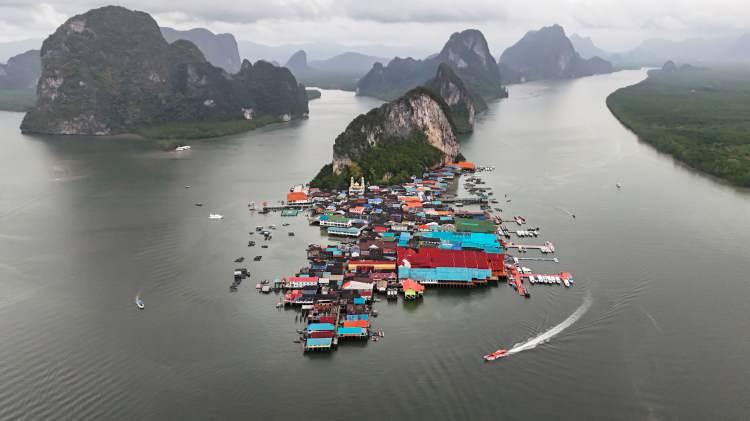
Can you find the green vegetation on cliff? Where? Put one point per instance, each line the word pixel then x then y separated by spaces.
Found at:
pixel 110 71
pixel 393 161
pixel 392 142
pixel 698 116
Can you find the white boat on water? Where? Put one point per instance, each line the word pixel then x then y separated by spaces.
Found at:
pixel 215 216
pixel 139 302
pixel 182 148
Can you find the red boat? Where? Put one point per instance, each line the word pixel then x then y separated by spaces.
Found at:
pixel 500 353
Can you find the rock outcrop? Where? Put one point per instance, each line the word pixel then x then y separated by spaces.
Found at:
pixel 219 49
pixel 463 104
pixel 465 52
pixel 669 66
pixel 586 48
pixel 21 72
pixel 547 54
pixel 110 71
pixel 297 63
pixel 394 141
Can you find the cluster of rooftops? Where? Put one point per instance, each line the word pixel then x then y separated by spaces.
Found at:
pixel 387 240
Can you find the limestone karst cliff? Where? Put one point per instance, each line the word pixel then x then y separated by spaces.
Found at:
pixel 110 71
pixel 394 141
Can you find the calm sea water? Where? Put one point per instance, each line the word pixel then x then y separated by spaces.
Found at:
pixel 86 224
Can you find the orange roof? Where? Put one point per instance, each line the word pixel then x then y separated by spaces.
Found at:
pixel 408 284
pixel 356 323
pixel 296 196
pixel 466 165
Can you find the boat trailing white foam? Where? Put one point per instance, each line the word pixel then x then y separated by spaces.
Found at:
pixel 555 330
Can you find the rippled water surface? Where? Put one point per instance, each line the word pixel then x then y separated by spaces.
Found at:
pixel 86 224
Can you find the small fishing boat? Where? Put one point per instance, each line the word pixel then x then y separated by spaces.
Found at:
pixel 139 302
pixel 500 353
pixel 182 148
pixel 215 216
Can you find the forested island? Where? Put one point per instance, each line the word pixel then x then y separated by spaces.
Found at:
pixel 110 71
pixel 699 116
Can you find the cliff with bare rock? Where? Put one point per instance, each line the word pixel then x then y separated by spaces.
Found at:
pixel 393 142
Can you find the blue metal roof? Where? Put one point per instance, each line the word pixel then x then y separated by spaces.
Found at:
pixel 443 274
pixel 361 331
pixel 320 326
pixel 318 342
pixel 467 240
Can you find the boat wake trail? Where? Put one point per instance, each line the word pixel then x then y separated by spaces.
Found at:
pixel 566 211
pixel 546 336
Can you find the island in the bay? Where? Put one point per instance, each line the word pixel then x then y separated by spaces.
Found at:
pixel 110 71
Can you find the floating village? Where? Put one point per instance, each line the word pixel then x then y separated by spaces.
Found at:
pixel 396 242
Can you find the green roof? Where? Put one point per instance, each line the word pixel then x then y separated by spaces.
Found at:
pixel 474 225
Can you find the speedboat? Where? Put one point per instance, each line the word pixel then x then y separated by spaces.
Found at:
pixel 139 302
pixel 215 216
pixel 182 148
pixel 500 353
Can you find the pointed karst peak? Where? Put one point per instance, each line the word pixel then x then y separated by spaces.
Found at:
pixel 298 61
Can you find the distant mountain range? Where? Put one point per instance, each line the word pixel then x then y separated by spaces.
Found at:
pixel 654 52
pixel 586 48
pixel 14 48
pixel 321 51
pixel 21 72
pixel 547 53
pixel 467 53
pixel 220 49
pixel 338 72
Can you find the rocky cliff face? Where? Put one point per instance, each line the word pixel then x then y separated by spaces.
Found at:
pixel 297 63
pixel 394 141
pixel 219 49
pixel 465 52
pixel 547 54
pixel 418 110
pixel 21 71
pixel 110 71
pixel 463 104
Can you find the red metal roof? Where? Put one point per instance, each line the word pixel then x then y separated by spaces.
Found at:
pixel 433 258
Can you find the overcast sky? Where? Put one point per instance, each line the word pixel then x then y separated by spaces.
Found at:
pixel 424 24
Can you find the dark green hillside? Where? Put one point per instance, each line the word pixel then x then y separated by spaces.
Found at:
pixel 701 117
